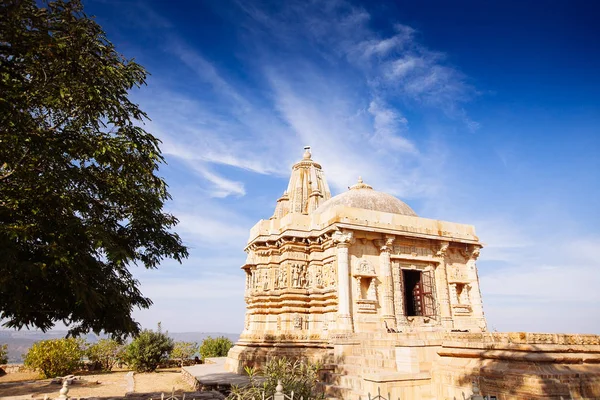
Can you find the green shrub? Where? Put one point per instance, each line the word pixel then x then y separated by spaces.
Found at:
pixel 56 357
pixel 148 350
pixel 183 351
pixel 301 377
pixel 4 354
pixel 105 353
pixel 217 347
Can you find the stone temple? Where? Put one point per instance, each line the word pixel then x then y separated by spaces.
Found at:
pixel 389 301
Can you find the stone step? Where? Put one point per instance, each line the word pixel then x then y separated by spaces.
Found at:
pixel 360 359
pixel 370 364
pixel 387 354
pixel 347 380
pixel 388 349
pixel 356 372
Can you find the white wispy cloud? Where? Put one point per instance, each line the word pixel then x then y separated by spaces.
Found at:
pixel 201 229
pixel 206 71
pixel 340 95
pixel 388 126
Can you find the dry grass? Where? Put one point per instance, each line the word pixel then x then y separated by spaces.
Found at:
pixel 112 384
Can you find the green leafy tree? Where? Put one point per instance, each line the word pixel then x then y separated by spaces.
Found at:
pixel 55 357
pixel 184 351
pixel 148 350
pixel 80 199
pixel 217 347
pixel 106 353
pixel 300 377
pixel 4 354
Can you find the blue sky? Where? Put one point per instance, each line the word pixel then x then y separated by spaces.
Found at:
pixel 485 113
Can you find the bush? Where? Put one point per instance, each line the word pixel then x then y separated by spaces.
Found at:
pixel 148 350
pixel 183 351
pixel 217 347
pixel 105 353
pixel 4 354
pixel 56 357
pixel 301 377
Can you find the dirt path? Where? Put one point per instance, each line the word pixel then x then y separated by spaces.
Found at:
pixel 106 385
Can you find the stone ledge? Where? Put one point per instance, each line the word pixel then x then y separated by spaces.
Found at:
pixel 540 356
pixel 385 377
pixel 529 338
pixel 549 348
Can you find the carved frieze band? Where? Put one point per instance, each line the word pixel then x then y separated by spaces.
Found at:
pixel 295 276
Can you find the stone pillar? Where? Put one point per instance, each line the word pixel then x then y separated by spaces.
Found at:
pixel 401 321
pixel 387 306
pixel 475 292
pixel 343 240
pixel 441 279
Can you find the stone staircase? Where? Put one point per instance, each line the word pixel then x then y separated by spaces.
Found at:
pixel 368 362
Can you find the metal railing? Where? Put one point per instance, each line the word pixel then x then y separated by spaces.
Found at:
pixel 278 395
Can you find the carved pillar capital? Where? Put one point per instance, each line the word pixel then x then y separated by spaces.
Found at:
pixel 343 238
pixel 475 253
pixel 443 249
pixel 471 253
pixel 386 244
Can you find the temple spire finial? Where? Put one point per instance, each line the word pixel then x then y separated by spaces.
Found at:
pixel 307 154
pixel 360 185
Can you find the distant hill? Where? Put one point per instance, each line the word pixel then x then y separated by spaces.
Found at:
pixel 20 341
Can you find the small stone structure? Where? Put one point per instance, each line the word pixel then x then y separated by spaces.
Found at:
pixel 390 301
pixel 12 368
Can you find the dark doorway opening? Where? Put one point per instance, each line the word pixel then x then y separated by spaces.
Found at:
pixel 412 293
pixel 419 298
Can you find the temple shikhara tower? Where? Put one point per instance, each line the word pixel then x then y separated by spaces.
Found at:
pixel 385 298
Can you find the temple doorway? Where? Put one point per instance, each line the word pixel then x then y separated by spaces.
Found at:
pixel 418 293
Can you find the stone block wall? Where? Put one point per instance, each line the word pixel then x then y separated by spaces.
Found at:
pixel 519 365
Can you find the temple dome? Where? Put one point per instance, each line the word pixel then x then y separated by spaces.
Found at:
pixel 363 196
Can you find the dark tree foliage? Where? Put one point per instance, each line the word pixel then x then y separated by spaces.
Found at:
pixel 148 350
pixel 80 200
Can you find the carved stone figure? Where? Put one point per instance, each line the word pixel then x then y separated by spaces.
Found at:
pixel 325 275
pixel 276 283
pixel 297 322
pixel 283 283
pixel 266 280
pixel 295 276
pixel 371 293
pixel 365 269
pixel 332 275
pixel 303 280
pixel 319 278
